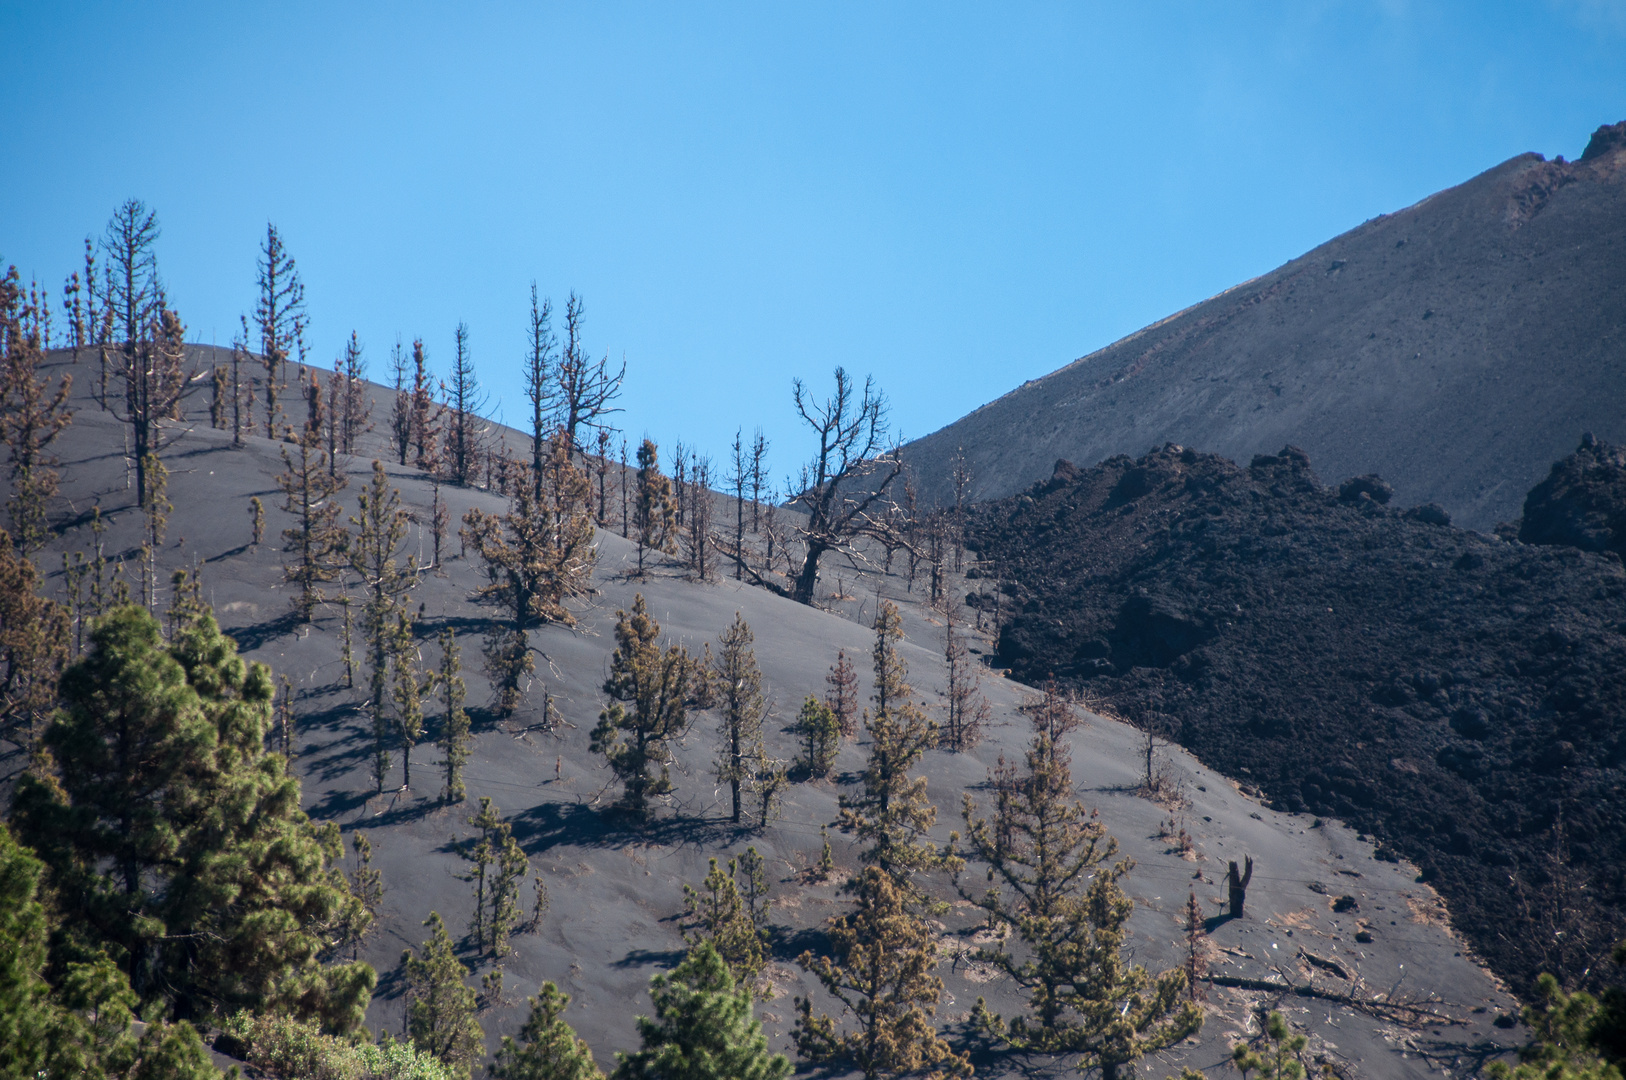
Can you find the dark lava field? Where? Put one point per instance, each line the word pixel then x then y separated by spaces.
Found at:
pixel 1456 696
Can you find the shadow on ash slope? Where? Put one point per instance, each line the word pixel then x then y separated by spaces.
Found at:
pixel 615 892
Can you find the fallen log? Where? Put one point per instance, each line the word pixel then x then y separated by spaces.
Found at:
pixel 1409 1013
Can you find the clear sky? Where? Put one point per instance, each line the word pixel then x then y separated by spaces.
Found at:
pixel 952 197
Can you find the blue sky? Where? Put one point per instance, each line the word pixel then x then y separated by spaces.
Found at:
pixel 951 197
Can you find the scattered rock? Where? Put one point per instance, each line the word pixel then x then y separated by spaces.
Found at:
pixel 1429 514
pixel 1371 487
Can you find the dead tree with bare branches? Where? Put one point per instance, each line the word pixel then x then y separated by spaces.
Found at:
pixel 843 489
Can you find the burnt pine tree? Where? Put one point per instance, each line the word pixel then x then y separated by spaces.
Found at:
pixel 375 557
pixel 601 468
pixel 315 540
pixel 440 1003
pixel 454 724
pixel 356 405
pixel 280 315
pixel 32 415
pixel 425 417
pixel 739 476
pixel 134 297
pixel 585 389
pixel 242 392
pixel 536 558
pixel 737 692
pixel 464 401
pixel 33 648
pixel 1055 888
pixel 651 693
pixel 893 815
pixel 841 694
pixel 654 518
pixel 880 972
pixel 540 392
pixel 546 1047
pixel 759 476
pixel 400 405
pixel 697 522
pixel 966 711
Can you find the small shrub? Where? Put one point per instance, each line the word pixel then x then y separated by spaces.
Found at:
pixel 299 1051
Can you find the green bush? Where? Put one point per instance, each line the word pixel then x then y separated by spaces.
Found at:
pixel 299 1051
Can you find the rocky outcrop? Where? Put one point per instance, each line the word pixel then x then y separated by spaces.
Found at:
pixel 1582 503
pixel 1461 697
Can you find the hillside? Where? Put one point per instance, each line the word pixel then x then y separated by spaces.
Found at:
pixel 1456 347
pixel 1458 697
pixel 616 890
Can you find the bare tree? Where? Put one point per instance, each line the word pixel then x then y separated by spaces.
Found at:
pixel 280 315
pixel 962 476
pixel 585 387
pixel 601 447
pixel 153 336
pixel 357 408
pixel 697 539
pixel 759 479
pixel 740 477
pixel 539 382
pixel 424 416
pixel 464 401
pixel 401 412
pixel 844 488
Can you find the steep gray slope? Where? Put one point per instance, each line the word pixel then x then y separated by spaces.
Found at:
pixel 1457 347
pixel 616 889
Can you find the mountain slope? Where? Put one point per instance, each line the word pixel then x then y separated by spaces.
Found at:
pixel 617 888
pixel 1456 347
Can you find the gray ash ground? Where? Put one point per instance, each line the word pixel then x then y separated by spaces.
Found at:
pixel 617 890
pixel 1457 696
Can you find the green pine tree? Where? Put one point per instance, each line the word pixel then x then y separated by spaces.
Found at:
pixel 651 693
pixel 497 867
pixel 440 1003
pixel 718 914
pixel 1564 1038
pixel 881 974
pixel 175 842
pixel 1057 889
pixel 1278 1060
pixel 410 684
pixel 29 1019
pixel 454 725
pixel 367 886
pixel 820 733
pixel 547 1048
pixel 703 1028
